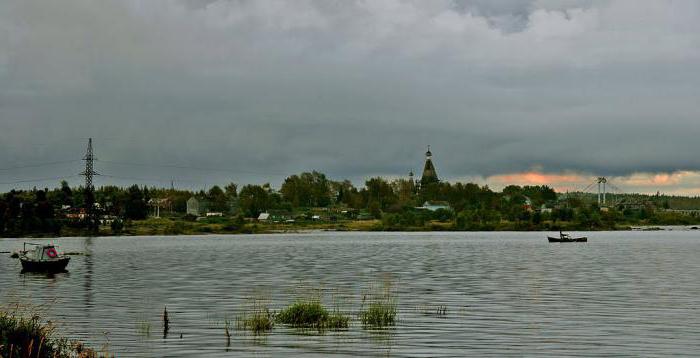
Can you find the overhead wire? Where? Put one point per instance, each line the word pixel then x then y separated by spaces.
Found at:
pixel 38 180
pixel 40 164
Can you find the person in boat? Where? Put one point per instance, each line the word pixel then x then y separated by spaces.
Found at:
pixel 563 235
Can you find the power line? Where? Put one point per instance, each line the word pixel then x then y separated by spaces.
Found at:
pixel 39 164
pixel 155 180
pixel 37 180
pixel 175 166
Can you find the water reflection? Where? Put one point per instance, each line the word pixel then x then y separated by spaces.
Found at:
pixel 88 259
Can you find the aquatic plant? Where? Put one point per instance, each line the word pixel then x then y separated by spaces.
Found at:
pixel 259 320
pixel 379 314
pixel 303 314
pixel 227 332
pixel 378 310
pixel 312 314
pixel 166 323
pixel 336 321
pixel 143 328
pixel 23 335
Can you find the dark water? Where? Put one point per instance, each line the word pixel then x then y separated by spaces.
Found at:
pixel 622 293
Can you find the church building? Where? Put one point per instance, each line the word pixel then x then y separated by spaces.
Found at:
pixel 429 172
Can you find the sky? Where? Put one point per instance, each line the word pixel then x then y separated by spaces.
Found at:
pixel 203 92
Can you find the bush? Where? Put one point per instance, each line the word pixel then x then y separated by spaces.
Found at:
pixel 117 226
pixel 176 228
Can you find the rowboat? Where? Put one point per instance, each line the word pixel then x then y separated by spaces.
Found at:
pixel 566 238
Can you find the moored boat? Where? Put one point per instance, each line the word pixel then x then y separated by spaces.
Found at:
pixel 43 258
pixel 566 238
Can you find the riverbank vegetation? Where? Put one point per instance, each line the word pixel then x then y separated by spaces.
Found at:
pixel 311 201
pixel 25 334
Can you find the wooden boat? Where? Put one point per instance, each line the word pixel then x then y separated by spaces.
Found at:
pixel 566 238
pixel 43 258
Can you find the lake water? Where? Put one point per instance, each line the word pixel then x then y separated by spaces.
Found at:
pixel 622 293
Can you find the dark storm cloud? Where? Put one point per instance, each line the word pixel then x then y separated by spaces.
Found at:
pixel 259 89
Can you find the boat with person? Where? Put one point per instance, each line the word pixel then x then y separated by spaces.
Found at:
pixel 43 258
pixel 566 238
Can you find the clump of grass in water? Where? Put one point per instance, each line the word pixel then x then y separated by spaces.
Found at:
pixel 259 321
pixel 143 328
pixel 303 314
pixel 337 321
pixel 312 314
pixel 378 310
pixel 379 314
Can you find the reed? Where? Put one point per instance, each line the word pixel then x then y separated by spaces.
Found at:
pixel 312 314
pixel 143 328
pixel 259 320
pixel 166 322
pixel 303 314
pixel 25 335
pixel 379 314
pixel 227 332
pixel 379 309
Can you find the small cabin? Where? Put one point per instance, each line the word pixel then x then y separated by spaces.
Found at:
pixel 193 206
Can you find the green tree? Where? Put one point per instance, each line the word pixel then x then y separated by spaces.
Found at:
pixel 231 191
pixel 253 200
pixel 307 190
pixel 381 192
pixel 218 201
pixel 135 206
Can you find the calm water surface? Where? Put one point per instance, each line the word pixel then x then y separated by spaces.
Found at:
pixel 622 293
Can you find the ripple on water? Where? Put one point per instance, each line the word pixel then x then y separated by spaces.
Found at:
pixel 631 293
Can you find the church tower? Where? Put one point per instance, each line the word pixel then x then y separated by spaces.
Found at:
pixel 429 172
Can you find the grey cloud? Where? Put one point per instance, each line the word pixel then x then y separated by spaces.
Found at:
pixel 354 88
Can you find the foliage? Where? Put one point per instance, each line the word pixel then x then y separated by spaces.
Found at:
pixel 135 204
pixel 379 314
pixel 117 226
pixel 254 199
pixel 48 212
pixel 259 321
pixel 26 336
pixel 303 314
pixel 307 190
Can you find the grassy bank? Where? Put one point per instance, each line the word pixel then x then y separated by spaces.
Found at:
pixel 221 225
pixel 25 334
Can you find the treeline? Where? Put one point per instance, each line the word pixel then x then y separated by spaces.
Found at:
pixel 463 206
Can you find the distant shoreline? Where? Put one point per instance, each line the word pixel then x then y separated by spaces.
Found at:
pixel 261 230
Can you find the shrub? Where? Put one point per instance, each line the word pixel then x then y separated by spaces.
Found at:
pixel 117 226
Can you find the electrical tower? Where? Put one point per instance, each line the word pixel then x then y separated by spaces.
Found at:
pixel 603 181
pixel 91 213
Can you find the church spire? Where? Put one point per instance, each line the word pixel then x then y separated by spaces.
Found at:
pixel 429 172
